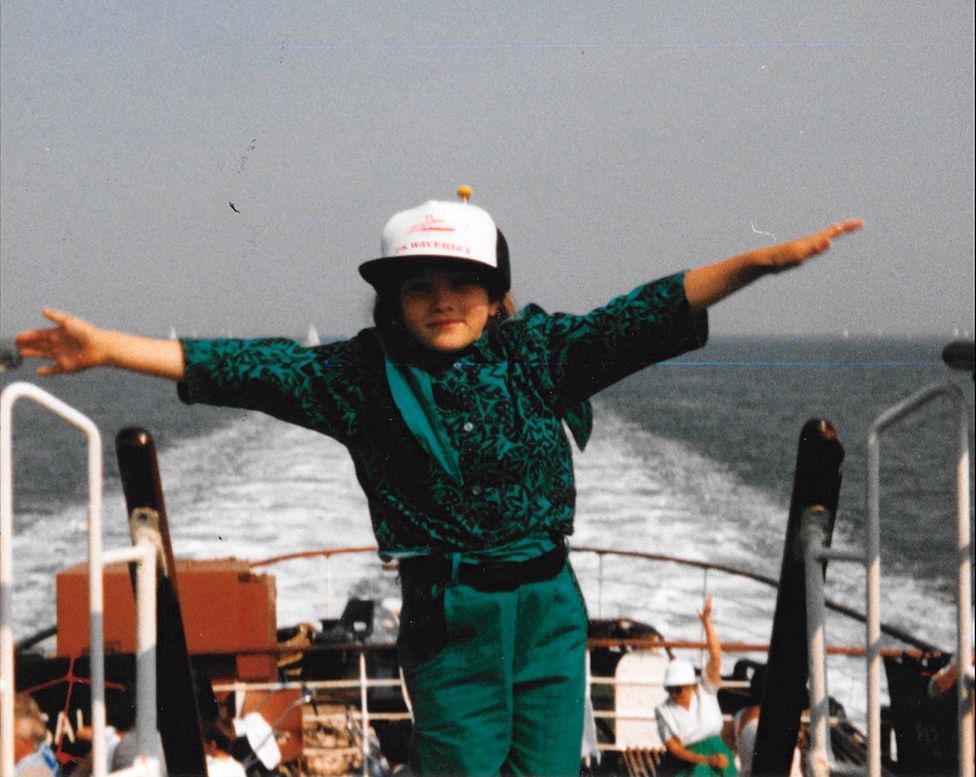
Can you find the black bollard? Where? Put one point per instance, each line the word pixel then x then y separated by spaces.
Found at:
pixel 817 479
pixel 178 713
pixel 961 355
pixel 10 358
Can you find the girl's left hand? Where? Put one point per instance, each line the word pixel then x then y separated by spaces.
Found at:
pixel 795 252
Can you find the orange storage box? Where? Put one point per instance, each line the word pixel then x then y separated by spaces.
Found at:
pixel 227 610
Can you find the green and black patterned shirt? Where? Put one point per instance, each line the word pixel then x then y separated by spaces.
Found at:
pixel 501 403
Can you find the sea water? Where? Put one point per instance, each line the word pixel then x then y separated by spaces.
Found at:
pixel 690 458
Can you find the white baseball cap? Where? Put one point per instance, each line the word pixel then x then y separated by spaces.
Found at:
pixel 679 673
pixel 444 235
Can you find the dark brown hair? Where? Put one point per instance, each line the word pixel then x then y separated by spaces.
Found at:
pixel 220 731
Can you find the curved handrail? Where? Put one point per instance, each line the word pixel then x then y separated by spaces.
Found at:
pixel 34 639
pixel 872 563
pixel 323 552
pixel 843 609
pixel 891 631
pixel 8 397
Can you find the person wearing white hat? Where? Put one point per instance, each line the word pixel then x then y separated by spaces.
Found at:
pixel 690 720
pixel 453 410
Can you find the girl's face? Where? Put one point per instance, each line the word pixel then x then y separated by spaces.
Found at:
pixel 445 311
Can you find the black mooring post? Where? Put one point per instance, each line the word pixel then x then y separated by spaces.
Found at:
pixel 819 461
pixel 961 355
pixel 178 714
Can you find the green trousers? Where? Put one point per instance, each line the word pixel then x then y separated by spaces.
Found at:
pixel 496 679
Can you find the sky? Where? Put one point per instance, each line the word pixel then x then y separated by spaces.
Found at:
pixel 613 143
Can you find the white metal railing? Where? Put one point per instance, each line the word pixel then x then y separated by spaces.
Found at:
pixel 815 551
pixel 814 544
pixel 308 689
pixel 7 399
pixel 963 550
pixel 361 715
pixel 144 553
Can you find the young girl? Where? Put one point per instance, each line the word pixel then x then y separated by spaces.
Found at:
pixel 452 409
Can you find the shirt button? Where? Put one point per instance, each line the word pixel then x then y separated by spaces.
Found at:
pixel 468 426
pixel 476 490
pixel 457 365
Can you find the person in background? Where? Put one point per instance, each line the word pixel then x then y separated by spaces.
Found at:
pixel 942 723
pixel 690 721
pixel 218 738
pixel 112 739
pixel 33 756
pixel 745 724
pixel 945 679
pixel 453 409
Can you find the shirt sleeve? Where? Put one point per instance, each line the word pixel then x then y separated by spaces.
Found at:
pixel 313 387
pixel 652 323
pixel 707 685
pixel 664 728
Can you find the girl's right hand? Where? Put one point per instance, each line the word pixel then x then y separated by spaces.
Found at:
pixel 73 344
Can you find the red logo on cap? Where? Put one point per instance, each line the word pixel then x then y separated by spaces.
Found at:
pixel 430 224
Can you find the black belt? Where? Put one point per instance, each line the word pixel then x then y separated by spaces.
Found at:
pixel 487 576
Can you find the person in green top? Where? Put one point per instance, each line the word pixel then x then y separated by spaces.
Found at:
pixel 453 408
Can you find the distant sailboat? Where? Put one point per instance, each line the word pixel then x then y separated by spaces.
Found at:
pixel 312 338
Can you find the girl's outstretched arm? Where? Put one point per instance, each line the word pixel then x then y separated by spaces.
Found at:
pixel 74 344
pixel 704 286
